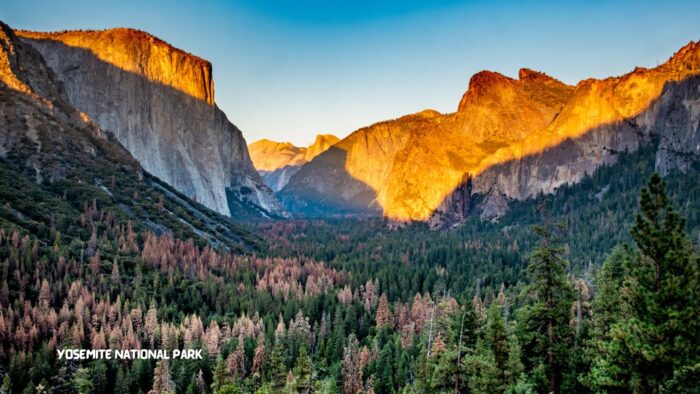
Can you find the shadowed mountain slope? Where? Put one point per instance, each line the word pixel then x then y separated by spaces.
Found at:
pixel 509 139
pixel 278 161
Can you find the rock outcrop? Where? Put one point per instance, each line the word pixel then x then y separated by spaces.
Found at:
pixel 511 139
pixel 55 162
pixel 158 101
pixel 278 161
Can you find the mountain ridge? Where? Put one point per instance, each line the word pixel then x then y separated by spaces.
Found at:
pixel 56 165
pixel 430 171
pixel 158 101
pixel 278 161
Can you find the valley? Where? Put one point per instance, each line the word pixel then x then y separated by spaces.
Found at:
pixel 541 238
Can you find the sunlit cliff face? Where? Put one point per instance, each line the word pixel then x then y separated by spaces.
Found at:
pixel 155 59
pixel 270 155
pixel 158 101
pixel 597 102
pixel 415 162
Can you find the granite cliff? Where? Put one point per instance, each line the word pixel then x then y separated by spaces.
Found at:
pixel 510 139
pixel 57 166
pixel 158 101
pixel 278 161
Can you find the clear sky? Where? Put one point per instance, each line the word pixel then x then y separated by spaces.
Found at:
pixel 287 70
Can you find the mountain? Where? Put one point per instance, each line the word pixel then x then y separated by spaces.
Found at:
pixel 278 161
pixel 510 139
pixel 158 101
pixel 58 168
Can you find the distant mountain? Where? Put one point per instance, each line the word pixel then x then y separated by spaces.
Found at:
pixel 510 139
pixel 57 166
pixel 158 101
pixel 278 161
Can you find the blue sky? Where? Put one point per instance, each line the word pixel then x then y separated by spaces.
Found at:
pixel 287 70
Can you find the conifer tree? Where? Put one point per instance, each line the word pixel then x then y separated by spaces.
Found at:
pixel 162 381
pixel 497 338
pixel 604 374
pixel 658 333
pixel 351 368
pixel 219 375
pixel 303 370
pixel 384 383
pixel 81 381
pixel 278 363
pixel 545 331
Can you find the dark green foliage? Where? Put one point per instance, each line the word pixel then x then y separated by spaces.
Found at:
pixel 497 338
pixel 657 333
pixel 503 350
pixel 545 331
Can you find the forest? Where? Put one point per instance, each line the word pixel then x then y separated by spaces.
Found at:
pixel 593 289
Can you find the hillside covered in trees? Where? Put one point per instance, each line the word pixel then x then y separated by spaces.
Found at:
pixel 578 292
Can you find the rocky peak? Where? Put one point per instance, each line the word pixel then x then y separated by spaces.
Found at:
pixel 529 75
pixel 277 162
pixel 687 58
pixel 8 60
pixel 143 54
pixel 485 84
pixel 270 155
pixel 516 137
pixel 158 101
pixel 320 145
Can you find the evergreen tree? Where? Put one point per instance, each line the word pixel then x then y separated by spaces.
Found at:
pixel 220 375
pixel 303 370
pixel 82 382
pixel 162 381
pixel 545 331
pixel 384 383
pixel 278 363
pixel 192 386
pixel 604 375
pixel 497 338
pixel 658 333
pixel 483 376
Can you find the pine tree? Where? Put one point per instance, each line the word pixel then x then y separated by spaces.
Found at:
pixel 545 331
pixel 497 338
pixel 658 333
pixel 303 370
pixel 604 375
pixel 220 375
pixel 464 327
pixel 481 372
pixel 383 314
pixel 351 368
pixel 278 363
pixel 384 383
pixel 192 386
pixel 162 381
pixel 81 381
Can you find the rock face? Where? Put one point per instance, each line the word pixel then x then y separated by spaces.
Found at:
pixel 54 160
pixel 509 139
pixel 278 161
pixel 158 102
pixel 602 118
